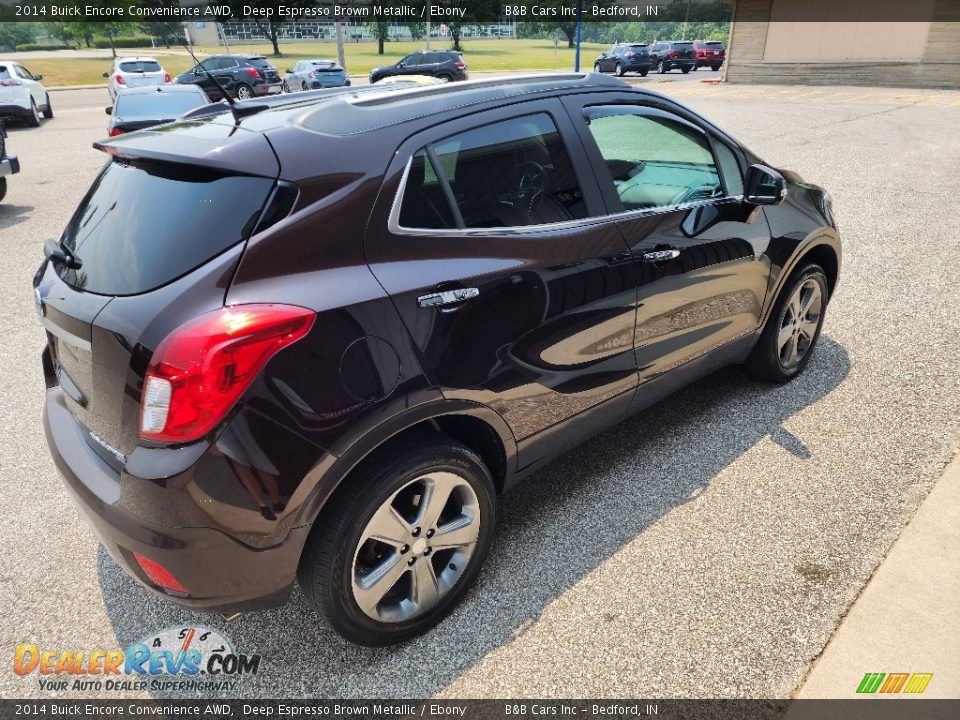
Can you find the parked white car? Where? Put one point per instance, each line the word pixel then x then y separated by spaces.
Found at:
pixel 21 95
pixel 131 72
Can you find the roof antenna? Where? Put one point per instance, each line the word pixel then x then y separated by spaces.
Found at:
pixel 230 101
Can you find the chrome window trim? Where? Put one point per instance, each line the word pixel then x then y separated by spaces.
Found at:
pixel 395 228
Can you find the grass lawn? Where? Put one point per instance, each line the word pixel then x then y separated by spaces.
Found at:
pixel 481 55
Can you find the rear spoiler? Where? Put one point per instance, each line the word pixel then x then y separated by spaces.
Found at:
pixel 206 144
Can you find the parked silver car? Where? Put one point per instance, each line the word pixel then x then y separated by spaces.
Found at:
pixel 130 72
pixel 315 74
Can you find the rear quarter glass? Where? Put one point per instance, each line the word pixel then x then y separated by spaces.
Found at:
pixel 144 224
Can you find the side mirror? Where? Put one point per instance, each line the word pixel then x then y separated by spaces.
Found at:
pixel 105 75
pixel 38 78
pixel 108 110
pixel 765 186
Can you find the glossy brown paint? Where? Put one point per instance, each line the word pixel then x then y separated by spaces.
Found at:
pixel 570 331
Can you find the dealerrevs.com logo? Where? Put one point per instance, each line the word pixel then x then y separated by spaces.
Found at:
pixel 190 659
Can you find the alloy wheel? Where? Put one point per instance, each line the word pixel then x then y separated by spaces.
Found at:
pixel 800 322
pixel 415 547
pixel 243 92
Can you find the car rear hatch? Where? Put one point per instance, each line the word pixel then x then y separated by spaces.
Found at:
pixel 9 84
pixel 682 51
pixel 268 71
pixel 329 75
pixel 156 240
pixel 637 52
pixel 141 73
pixel 713 50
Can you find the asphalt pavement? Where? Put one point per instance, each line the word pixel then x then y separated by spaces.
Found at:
pixel 708 547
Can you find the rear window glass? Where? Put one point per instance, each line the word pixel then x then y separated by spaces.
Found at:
pixel 140 66
pixel 158 104
pixel 683 46
pixel 145 224
pixel 259 63
pixel 714 44
pixel 638 47
pixel 4 73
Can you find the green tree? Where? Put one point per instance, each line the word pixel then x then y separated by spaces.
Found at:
pixel 14 33
pixel 110 30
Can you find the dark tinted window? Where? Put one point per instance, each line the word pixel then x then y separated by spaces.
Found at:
pixel 226 64
pixel 140 66
pixel 510 174
pixel 260 63
pixel 424 203
pixel 714 45
pixel 653 161
pixel 158 104
pixel 145 224
pixel 683 46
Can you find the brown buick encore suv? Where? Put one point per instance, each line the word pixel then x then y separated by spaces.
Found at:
pixel 315 336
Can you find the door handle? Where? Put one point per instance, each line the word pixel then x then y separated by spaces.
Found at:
pixel 447 297
pixel 660 255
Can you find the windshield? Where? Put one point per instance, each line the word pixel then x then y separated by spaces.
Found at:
pixel 144 66
pixel 158 104
pixel 144 224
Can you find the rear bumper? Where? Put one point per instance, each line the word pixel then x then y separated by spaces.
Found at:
pixel 220 573
pixel 268 88
pixel 709 62
pixel 9 166
pixel 14 109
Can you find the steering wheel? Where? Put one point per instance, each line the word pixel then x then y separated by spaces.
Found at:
pixel 530 186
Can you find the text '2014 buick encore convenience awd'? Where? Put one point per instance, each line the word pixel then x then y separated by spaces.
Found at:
pixel 317 336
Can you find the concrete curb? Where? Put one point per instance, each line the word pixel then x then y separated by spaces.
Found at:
pixel 906 619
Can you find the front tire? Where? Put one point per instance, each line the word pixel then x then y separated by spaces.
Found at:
pixel 48 110
pixel 790 335
pixel 619 69
pixel 3 188
pixel 661 68
pixel 596 68
pixel 396 550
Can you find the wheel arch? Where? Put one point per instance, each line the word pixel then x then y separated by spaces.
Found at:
pixel 821 247
pixel 476 426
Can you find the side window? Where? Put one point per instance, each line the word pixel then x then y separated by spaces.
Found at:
pixel 653 161
pixel 424 203
pixel 24 73
pixel 508 174
pixel 227 64
pixel 730 168
pixel 210 64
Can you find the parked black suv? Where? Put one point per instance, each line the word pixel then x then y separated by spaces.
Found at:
pixel 665 56
pixel 443 64
pixel 319 340
pixel 243 76
pixel 9 165
pixel 623 58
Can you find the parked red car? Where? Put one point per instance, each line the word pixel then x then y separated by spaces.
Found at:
pixel 709 52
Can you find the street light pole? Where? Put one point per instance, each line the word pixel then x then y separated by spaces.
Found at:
pixel 576 61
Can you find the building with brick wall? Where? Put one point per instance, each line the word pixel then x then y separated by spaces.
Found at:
pixel 833 42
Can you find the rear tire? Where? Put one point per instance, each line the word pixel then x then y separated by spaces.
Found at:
pixel 446 77
pixel 244 92
pixel 686 70
pixel 714 67
pixel 48 110
pixel 33 117
pixel 375 554
pixel 619 69
pixel 3 188
pixel 790 335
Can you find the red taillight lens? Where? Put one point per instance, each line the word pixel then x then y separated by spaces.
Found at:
pixel 203 367
pixel 166 77
pixel 252 72
pixel 115 131
pixel 160 576
pixel 459 65
pixel 672 54
pixel 119 79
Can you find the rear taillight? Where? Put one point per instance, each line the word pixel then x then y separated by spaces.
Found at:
pixel 115 131
pixel 459 65
pixel 629 53
pixel 203 367
pixel 166 77
pixel 252 72
pixel 10 82
pixel 160 576
pixel 119 79
pixel 673 54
